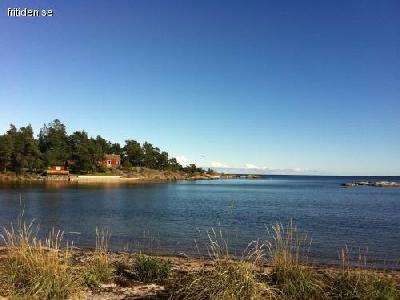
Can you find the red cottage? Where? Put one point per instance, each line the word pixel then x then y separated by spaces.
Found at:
pixel 112 161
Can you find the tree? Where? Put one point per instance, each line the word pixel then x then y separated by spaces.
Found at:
pixel 150 155
pixel 133 153
pixel 53 143
pixel 192 168
pixel 162 160
pixel 115 148
pixel 19 150
pixel 81 152
pixel 103 145
pixel 6 152
pixel 173 165
pixel 29 149
pixel 210 171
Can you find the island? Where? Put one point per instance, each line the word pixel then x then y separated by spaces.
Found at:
pixel 373 183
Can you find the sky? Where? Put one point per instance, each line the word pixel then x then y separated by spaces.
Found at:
pixel 275 87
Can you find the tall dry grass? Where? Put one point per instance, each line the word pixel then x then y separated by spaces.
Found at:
pixel 286 245
pixel 227 278
pixel 33 268
pixel 287 250
pixel 356 281
pixel 99 269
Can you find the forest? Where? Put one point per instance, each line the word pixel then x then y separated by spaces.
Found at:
pixel 21 152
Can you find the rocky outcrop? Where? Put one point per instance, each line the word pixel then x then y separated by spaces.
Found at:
pixel 372 183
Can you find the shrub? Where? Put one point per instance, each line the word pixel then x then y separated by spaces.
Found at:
pixel 36 269
pixel 150 269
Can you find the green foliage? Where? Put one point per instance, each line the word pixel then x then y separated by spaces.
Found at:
pixel 133 152
pixel 173 165
pixel 99 270
pixel 6 152
pixel 150 155
pixel 20 151
pixel 210 171
pixel 297 282
pixel 53 143
pixel 361 284
pixel 192 168
pixel 151 269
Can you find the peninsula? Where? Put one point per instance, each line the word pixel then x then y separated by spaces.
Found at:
pixel 56 155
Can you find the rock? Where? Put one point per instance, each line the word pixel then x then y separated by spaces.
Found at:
pixel 372 183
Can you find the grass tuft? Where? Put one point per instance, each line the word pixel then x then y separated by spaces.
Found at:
pixel 297 282
pixel 360 283
pixel 150 269
pixel 286 253
pixel 227 278
pixel 99 269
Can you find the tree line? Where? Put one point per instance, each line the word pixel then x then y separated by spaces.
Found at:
pixel 20 151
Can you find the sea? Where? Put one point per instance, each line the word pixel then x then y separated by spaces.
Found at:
pixel 179 218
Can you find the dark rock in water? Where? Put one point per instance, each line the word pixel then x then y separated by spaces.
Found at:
pixel 348 184
pixel 372 183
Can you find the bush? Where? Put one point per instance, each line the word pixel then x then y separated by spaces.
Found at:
pixel 150 269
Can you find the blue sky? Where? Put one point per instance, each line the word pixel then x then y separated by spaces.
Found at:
pixel 302 87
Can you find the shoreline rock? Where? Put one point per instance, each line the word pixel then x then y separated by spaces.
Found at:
pixel 372 183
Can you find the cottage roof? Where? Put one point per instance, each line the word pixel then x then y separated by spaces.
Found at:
pixel 113 156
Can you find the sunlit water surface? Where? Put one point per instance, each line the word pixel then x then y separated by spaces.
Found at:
pixel 173 218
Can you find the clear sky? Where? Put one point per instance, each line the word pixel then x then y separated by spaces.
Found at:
pixel 299 87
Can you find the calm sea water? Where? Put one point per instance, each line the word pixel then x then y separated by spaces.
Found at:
pixel 173 218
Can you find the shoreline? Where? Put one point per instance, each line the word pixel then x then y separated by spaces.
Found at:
pixel 125 285
pixel 157 177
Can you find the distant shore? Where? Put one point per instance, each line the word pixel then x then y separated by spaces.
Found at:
pixel 134 175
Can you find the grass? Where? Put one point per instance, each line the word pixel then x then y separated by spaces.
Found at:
pixel 33 268
pixel 274 269
pixel 150 269
pixel 99 269
pixel 360 283
pixel 286 252
pixel 227 278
